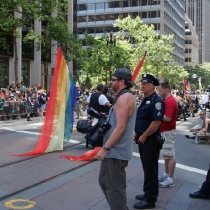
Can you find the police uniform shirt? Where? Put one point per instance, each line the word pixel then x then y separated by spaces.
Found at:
pixel 151 109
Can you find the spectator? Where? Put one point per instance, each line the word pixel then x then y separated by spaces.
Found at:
pixel 29 104
pixel 22 87
pixel 79 108
pixel 11 102
pixel 12 88
pixel 201 132
pixel 41 104
pixel 167 129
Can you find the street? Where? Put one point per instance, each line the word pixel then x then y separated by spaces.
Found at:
pixel 47 182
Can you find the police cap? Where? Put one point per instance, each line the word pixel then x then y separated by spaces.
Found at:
pixel 149 78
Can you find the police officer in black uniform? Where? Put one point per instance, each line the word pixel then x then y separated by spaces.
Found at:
pixel 149 117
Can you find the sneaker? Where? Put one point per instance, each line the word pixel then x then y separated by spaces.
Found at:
pixel 162 177
pixel 166 183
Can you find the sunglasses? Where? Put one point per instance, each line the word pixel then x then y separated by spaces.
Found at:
pixel 200 114
pixel 112 80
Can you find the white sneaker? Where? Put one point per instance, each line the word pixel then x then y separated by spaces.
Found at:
pixel 167 183
pixel 162 177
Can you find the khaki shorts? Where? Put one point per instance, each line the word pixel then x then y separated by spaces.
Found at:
pixel 168 151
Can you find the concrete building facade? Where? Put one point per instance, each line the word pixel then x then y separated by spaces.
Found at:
pixel 33 67
pixel 191 44
pixel 97 16
pixel 198 12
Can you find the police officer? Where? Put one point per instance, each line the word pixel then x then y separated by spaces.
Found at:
pixel 149 117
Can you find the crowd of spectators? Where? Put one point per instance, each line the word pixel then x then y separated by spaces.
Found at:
pixel 19 101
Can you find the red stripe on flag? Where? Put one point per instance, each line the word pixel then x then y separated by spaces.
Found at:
pixel 137 69
pixel 87 156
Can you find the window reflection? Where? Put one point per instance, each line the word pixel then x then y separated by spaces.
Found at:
pixel 100 6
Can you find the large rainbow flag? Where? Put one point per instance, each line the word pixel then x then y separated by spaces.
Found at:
pixel 58 121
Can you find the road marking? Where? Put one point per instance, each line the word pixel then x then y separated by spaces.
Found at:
pixel 187 168
pixel 9 204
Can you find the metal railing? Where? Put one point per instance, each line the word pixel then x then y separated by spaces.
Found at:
pixel 16 110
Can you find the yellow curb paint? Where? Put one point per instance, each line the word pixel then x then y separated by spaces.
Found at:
pixel 9 204
pixel 187 130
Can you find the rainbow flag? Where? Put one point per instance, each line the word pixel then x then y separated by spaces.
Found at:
pixel 58 121
pixel 138 68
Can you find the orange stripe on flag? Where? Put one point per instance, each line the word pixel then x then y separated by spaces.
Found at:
pixel 137 69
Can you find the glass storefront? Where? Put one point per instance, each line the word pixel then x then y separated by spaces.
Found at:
pixel 4 78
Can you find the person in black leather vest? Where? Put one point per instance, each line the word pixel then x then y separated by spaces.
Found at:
pixel 97 100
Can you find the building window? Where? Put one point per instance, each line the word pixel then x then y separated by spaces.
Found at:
pixel 109 5
pixel 100 6
pixel 155 14
pixel 117 4
pixel 188 59
pixel 99 17
pixel 188 41
pixel 188 50
pixel 82 7
pixel 90 30
pixel 143 14
pixel 188 33
pixel 91 6
pixel 127 3
pixel 82 30
pixel 81 19
pixel 134 3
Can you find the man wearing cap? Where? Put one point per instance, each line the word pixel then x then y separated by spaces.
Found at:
pixel 149 117
pixel 117 143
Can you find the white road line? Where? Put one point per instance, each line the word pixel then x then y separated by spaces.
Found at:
pixel 187 168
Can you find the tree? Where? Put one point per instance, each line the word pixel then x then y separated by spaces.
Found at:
pixel 201 70
pixel 22 13
pixel 132 40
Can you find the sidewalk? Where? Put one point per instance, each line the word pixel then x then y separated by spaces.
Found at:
pixel 79 190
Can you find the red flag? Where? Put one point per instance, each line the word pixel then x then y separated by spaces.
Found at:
pixel 138 67
pixel 187 85
pixel 87 156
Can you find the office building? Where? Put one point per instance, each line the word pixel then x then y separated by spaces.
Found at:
pixel 34 66
pixel 191 43
pixel 198 12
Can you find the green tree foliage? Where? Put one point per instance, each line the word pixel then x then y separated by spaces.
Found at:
pixel 57 30
pixel 203 71
pixel 132 40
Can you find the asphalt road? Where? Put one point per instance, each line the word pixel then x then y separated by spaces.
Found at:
pixel 19 175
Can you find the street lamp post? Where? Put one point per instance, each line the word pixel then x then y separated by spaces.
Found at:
pixel 110 40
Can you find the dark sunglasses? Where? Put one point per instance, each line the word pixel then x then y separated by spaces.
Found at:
pixel 112 80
